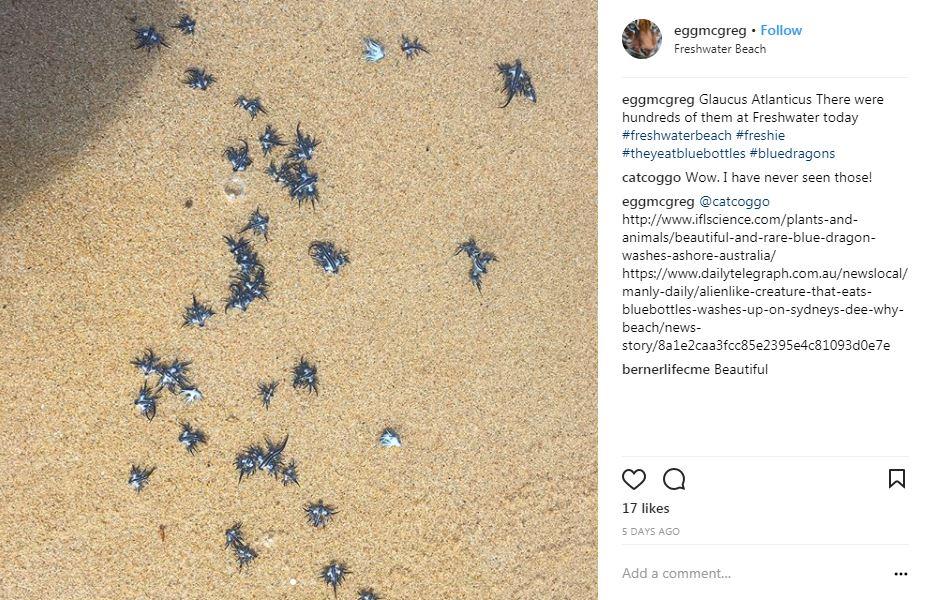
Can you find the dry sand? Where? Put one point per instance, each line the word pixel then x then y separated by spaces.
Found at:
pixel 112 215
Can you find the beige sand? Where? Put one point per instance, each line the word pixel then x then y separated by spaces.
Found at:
pixel 493 494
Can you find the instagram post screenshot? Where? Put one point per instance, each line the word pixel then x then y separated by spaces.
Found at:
pixel 416 299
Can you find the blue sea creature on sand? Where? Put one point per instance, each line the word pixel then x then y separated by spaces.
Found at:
pixel 185 24
pixel 191 438
pixel 148 38
pixel 174 376
pixel 248 262
pixel 267 392
pixel 389 438
pixel 247 287
pixel 302 184
pixel 516 82
pixel 234 535
pixel 146 401
pixel 197 313
pixel 470 247
pixel 258 224
pixel 319 514
pixel 253 106
pixel 148 363
pixel 245 554
pixel 368 594
pixel 305 376
pixel 249 283
pixel 412 48
pixel 247 461
pixel 480 261
pixel 270 459
pixel 269 139
pixel 238 157
pixel 277 173
pixel 289 474
pixel 139 477
pixel 334 574
pixel 304 146
pixel 242 251
pixel 198 79
pixel 328 257
pixel 480 267
pixel 373 51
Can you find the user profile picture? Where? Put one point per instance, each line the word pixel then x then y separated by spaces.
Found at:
pixel 642 38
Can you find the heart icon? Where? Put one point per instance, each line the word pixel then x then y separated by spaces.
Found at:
pixel 634 478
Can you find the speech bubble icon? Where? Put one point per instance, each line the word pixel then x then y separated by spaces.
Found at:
pixel 674 479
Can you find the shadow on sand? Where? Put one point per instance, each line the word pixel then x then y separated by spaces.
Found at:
pixel 64 67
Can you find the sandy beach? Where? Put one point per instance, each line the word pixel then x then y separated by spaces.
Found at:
pixel 112 213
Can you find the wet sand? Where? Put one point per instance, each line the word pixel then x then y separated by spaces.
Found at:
pixel 112 212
